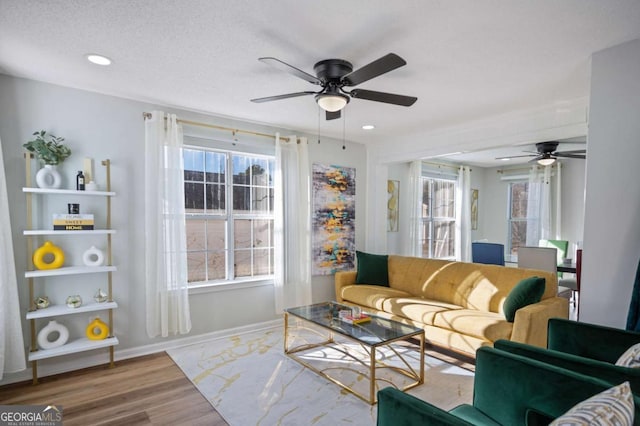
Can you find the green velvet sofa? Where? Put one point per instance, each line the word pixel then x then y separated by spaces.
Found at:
pixel 509 389
pixel 584 348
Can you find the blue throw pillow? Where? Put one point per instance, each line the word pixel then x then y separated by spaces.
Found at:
pixel 372 269
pixel 526 292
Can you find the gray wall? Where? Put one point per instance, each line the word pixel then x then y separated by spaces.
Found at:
pixel 612 228
pixel 102 127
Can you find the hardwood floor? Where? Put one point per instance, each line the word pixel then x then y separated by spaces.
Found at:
pixel 138 391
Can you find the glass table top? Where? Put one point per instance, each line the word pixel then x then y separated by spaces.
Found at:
pixel 378 331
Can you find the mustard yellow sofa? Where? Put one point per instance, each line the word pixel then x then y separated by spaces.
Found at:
pixel 459 305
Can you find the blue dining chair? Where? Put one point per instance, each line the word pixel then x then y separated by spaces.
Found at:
pixel 489 253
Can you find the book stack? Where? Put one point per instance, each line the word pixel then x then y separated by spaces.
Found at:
pixel 349 319
pixel 72 222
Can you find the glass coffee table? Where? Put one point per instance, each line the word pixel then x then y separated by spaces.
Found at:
pixel 347 354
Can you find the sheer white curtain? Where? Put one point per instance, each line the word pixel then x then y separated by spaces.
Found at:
pixel 539 205
pixel 165 235
pixel 463 215
pixel 11 340
pixel 413 244
pixel 292 228
pixel 557 222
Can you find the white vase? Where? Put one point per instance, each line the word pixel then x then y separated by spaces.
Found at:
pixel 53 326
pixel 48 177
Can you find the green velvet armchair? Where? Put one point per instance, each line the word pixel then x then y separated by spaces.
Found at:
pixel 509 389
pixel 583 348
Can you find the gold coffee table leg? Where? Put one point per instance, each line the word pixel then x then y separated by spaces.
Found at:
pixel 372 377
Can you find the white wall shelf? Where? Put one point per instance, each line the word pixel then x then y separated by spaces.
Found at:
pixel 69 270
pixel 81 232
pixel 67 192
pixel 79 345
pixel 59 310
pixel 37 317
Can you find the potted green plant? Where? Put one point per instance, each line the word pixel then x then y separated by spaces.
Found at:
pixel 48 148
pixel 50 151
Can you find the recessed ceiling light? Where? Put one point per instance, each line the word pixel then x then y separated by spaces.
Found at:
pixel 505 159
pixel 368 127
pixel 98 59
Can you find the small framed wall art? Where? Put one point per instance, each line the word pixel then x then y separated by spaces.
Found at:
pixel 474 209
pixel 393 194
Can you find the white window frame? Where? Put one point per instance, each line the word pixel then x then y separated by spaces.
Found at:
pixel 229 218
pixel 510 220
pixel 427 222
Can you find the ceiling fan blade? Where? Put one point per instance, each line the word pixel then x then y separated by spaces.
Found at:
pixel 388 98
pixel 283 66
pixel 287 96
pixel 378 67
pixel 333 115
pixel 577 151
pixel 516 156
pixel 567 155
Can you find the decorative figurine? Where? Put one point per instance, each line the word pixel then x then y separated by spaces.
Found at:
pixel 100 296
pixel 74 301
pixel 42 302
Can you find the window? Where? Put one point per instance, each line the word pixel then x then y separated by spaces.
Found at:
pixel 438 218
pixel 229 209
pixel 518 221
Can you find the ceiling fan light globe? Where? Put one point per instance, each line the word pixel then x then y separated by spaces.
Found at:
pixel 546 161
pixel 331 103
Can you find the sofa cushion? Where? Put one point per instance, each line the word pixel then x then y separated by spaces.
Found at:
pixel 372 269
pixel 484 325
pixel 370 295
pixel 615 406
pixel 526 292
pixel 416 308
pixel 630 358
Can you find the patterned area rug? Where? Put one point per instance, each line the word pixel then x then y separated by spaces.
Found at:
pixel 250 381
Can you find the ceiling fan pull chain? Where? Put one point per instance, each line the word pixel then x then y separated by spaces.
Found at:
pixel 319 110
pixel 344 120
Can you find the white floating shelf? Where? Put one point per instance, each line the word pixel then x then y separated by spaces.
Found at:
pixel 79 345
pixel 52 232
pixel 69 270
pixel 59 310
pixel 67 192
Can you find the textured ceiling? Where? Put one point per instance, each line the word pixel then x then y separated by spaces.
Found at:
pixel 467 59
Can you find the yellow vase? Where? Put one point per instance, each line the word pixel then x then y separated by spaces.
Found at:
pixel 48 248
pixel 97 330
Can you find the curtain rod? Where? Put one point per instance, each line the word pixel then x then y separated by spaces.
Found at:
pixel 451 166
pixel 517 169
pixel 146 115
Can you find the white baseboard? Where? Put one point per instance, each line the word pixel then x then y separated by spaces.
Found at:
pixel 99 358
